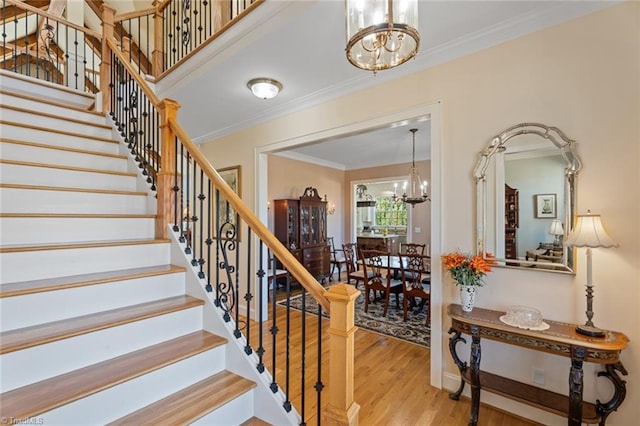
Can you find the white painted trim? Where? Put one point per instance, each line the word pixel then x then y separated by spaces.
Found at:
pixel 434 111
pixel 309 159
pixel 438 218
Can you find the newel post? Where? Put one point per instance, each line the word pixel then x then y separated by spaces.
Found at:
pixel 157 55
pixel 108 25
pixel 168 109
pixel 341 409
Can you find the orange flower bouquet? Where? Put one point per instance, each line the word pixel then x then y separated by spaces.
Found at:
pixel 467 270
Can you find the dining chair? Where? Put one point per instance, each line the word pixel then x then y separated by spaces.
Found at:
pixel 337 259
pixel 354 272
pixel 412 248
pixel 416 283
pixel 378 278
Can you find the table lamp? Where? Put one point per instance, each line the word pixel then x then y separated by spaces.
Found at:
pixel 589 233
pixel 556 230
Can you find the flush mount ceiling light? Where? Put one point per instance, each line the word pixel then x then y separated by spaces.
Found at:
pixel 264 88
pixel 381 34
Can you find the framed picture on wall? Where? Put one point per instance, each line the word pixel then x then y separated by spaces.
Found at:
pixel 545 206
pixel 228 227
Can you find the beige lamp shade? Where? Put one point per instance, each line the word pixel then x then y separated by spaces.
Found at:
pixel 589 232
pixel 556 228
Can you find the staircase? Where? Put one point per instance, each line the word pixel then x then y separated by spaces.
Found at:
pixel 99 322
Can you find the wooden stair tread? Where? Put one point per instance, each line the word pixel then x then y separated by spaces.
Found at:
pixel 58 117
pixel 76 245
pixel 80 215
pixel 65 167
pixel 191 403
pixel 40 334
pixel 58 131
pixel 59 283
pixel 48 101
pixel 43 396
pixel 43 83
pixel 62 148
pixel 70 189
pixel 254 421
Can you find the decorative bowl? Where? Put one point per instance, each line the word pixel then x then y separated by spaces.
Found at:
pixel 523 317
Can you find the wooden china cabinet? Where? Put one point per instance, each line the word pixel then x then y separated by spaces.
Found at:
pixel 301 225
pixel 511 208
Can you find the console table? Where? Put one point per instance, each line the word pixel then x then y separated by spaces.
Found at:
pixel 560 339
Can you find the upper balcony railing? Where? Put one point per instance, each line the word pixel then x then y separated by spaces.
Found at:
pixel 161 38
pixel 155 40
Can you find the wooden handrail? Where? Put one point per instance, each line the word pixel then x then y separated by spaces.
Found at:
pixel 134 73
pixel 58 19
pixel 163 4
pixel 280 251
pixel 136 14
pixel 289 261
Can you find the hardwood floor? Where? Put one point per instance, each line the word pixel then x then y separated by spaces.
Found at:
pixel 391 378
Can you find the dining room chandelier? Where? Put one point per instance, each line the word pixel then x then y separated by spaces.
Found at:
pixel 414 190
pixel 381 34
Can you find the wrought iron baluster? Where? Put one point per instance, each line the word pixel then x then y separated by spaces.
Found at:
pixel 248 296
pixel 177 200
pixel 194 217
pixel 303 356
pixel 202 198
pixel 287 363
pixel 26 44
pixel 319 386
pixel 209 239
pixel 274 344
pixel 261 282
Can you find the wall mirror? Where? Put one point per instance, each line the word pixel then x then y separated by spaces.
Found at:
pixel 526 198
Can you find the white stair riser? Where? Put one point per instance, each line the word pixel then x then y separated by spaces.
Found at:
pixel 14 200
pixel 57 139
pixel 45 230
pixel 234 412
pixel 37 363
pixel 35 265
pixel 57 305
pixel 120 400
pixel 54 123
pixel 29 104
pixel 29 175
pixel 14 83
pixel 18 152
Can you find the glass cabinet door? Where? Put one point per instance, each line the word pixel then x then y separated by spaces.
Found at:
pixel 292 226
pixel 305 225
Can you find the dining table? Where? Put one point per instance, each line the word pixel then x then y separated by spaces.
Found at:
pixel 395 264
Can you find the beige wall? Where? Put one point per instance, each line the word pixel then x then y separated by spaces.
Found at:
pixel 582 76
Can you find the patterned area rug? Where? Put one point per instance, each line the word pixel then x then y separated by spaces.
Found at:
pixel 414 330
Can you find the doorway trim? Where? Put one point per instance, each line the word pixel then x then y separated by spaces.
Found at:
pixel 434 112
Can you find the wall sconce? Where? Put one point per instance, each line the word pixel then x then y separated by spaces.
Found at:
pixel 331 208
pixel 268 205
